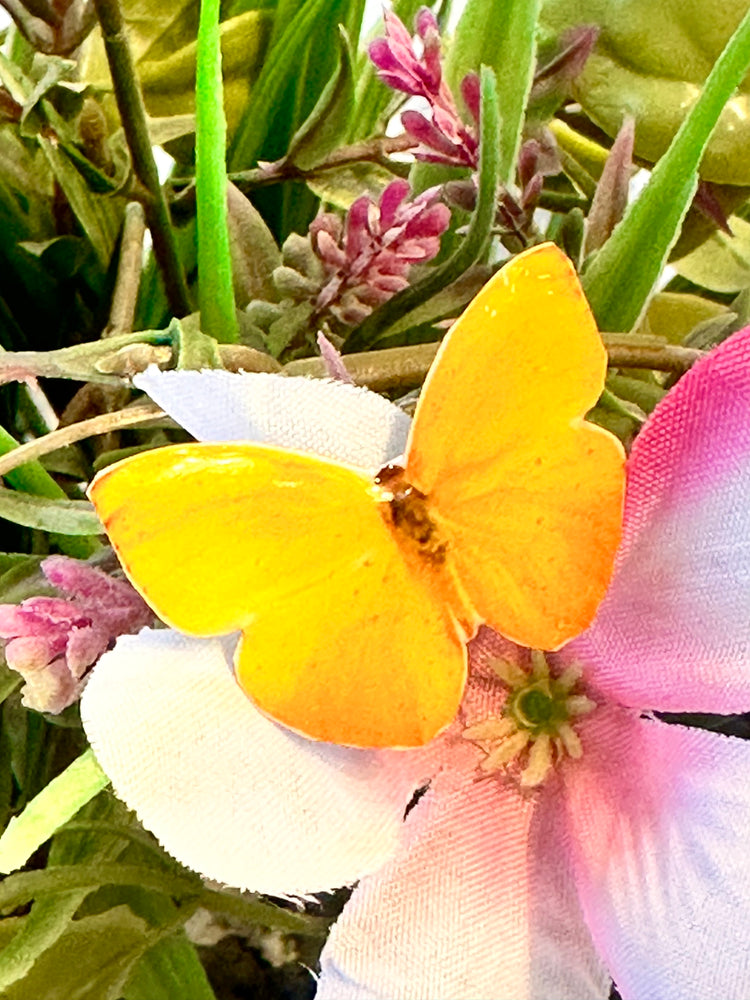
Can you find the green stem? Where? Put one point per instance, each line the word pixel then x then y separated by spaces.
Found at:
pixel 133 115
pixel 215 289
pixel 32 477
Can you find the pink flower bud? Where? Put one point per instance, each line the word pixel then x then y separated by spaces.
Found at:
pixel 53 642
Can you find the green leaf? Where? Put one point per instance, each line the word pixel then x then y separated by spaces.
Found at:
pixel 282 64
pixel 500 34
pixel 64 517
pixel 169 970
pixel 61 799
pixel 473 245
pixel 326 125
pixel 255 254
pixel 41 929
pixel 91 960
pixel 722 263
pixel 623 273
pixel 21 887
pixel 100 218
pixel 162 38
pixel 215 289
pixel 342 186
pixel 33 478
pixel 651 60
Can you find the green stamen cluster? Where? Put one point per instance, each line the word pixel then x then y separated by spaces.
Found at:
pixel 536 726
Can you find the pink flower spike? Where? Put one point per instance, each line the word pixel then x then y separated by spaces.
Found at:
pixel 379 241
pixel 52 642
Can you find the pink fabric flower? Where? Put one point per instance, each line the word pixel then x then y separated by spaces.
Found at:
pixel 53 642
pixel 445 138
pixel 368 260
pixel 632 860
pixel 628 859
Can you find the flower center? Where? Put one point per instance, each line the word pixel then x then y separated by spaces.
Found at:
pixel 536 727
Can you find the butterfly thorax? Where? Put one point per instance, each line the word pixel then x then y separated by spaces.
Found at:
pixel 406 508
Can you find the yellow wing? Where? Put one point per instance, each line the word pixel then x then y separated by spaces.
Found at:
pixel 528 495
pixel 347 637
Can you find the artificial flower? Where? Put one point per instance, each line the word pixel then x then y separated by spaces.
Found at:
pixel 629 857
pixel 619 850
pixel 444 138
pixel 368 259
pixel 54 641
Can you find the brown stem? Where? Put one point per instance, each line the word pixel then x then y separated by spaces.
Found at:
pixel 376 151
pixel 133 115
pixel 129 269
pixel 102 424
pixel 405 368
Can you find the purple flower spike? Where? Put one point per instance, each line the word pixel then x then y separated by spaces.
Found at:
pixel 53 642
pixel 368 259
pixel 445 139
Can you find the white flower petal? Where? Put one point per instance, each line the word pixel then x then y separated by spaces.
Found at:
pixel 660 816
pixel 343 422
pixel 478 904
pixel 228 792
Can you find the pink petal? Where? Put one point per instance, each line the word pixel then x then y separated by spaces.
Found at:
pixel 425 132
pixel 15 620
pixel 342 422
pixel 659 815
pixel 475 906
pixel 329 251
pixel 228 792
pixel 52 689
pixel 332 360
pixel 29 653
pixel 357 228
pixel 673 633
pixel 390 200
pixel 85 646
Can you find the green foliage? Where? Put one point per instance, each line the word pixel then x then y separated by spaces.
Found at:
pixel 623 274
pixel 100 911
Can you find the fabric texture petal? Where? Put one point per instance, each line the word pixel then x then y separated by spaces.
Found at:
pixel 475 904
pixel 659 816
pixel 681 589
pixel 343 422
pixel 225 790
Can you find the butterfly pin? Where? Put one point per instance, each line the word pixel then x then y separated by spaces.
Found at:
pixel 356 596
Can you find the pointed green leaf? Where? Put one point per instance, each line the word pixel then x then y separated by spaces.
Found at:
pixel 500 34
pixel 65 517
pixel 281 65
pixel 61 799
pixel 169 970
pixel 327 124
pixel 623 273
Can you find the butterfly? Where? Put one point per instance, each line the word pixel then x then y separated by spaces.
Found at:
pixel 356 597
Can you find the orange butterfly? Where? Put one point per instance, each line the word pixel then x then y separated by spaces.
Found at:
pixel 356 598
